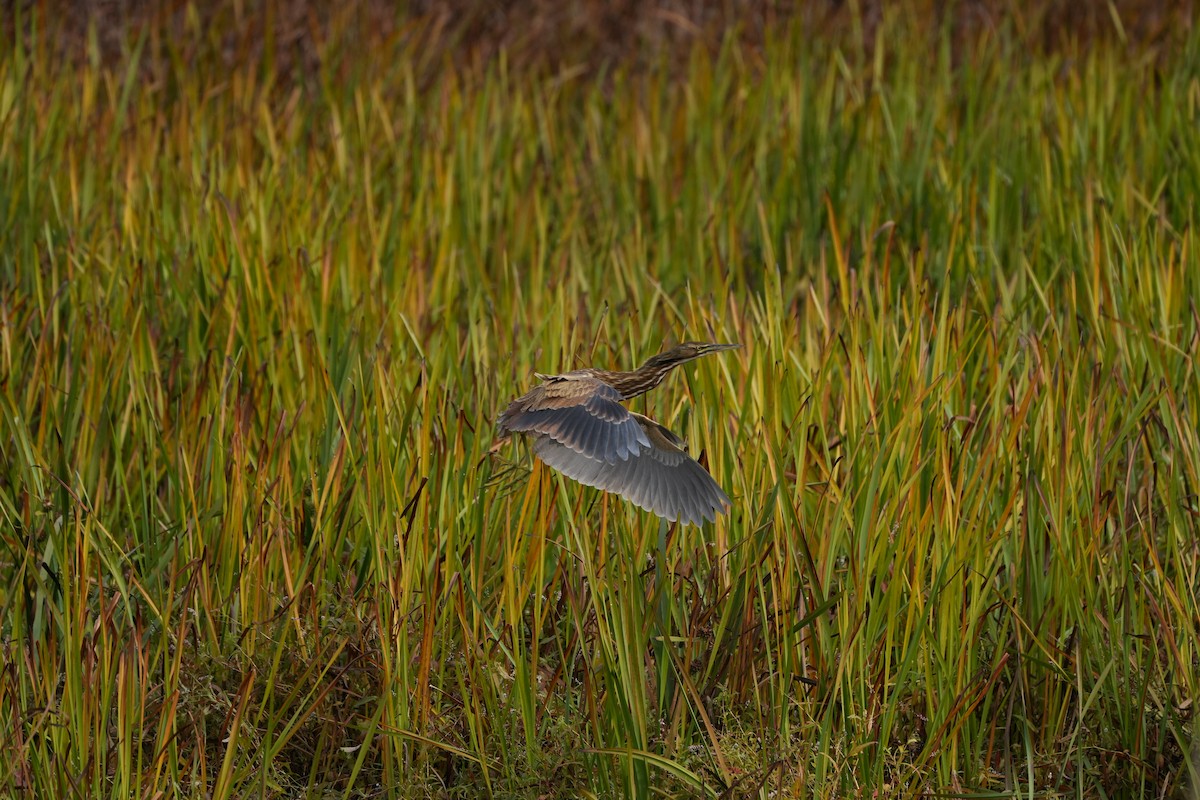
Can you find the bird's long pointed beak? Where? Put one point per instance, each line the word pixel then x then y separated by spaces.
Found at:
pixel 716 348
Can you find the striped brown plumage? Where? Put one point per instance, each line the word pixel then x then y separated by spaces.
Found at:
pixel 580 428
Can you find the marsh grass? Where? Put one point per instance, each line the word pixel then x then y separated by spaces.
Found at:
pixel 255 331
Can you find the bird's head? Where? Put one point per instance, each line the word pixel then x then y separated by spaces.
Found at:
pixel 687 351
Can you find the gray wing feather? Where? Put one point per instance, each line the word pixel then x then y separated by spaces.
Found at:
pixel 662 478
pixel 582 414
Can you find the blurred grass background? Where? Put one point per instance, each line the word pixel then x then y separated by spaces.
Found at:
pixel 268 272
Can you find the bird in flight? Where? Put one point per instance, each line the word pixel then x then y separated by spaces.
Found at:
pixel 580 428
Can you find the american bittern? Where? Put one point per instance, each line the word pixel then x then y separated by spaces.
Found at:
pixel 580 428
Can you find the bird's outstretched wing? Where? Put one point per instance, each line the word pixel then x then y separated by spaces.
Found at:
pixel 581 414
pixel 662 478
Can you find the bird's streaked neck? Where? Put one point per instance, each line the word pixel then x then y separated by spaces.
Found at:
pixel 640 380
